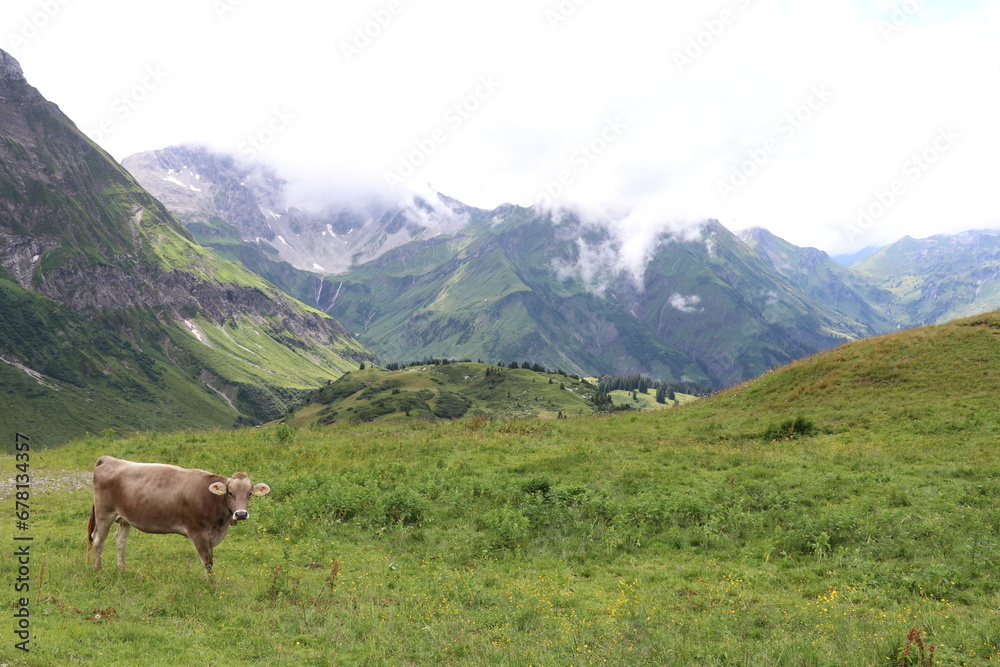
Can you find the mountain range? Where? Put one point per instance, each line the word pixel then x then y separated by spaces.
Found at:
pixel 433 277
pixel 187 288
pixel 113 317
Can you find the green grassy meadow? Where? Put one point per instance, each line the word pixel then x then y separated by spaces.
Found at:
pixel 818 515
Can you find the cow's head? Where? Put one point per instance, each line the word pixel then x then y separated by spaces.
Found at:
pixel 237 491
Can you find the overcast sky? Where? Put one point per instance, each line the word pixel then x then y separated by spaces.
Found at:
pixel 834 123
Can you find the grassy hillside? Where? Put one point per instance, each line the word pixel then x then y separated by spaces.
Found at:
pixel 819 515
pixel 911 384
pixel 73 377
pixel 63 375
pixel 445 391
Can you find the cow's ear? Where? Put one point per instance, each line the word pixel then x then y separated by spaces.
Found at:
pixel 261 489
pixel 218 488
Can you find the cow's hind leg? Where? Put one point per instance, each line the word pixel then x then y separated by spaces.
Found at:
pixel 102 524
pixel 122 538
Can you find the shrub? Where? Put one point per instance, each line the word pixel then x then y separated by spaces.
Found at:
pixel 539 484
pixel 451 406
pixel 790 429
pixel 403 506
pixel 284 433
pixel 505 527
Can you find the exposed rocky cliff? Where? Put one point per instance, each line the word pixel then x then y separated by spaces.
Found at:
pixel 9 67
pixel 198 185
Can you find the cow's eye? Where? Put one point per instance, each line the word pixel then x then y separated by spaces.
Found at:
pixel 230 494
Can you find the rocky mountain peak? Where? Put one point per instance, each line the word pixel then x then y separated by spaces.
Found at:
pixel 9 67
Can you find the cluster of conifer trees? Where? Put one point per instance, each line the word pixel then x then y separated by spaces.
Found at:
pixel 665 391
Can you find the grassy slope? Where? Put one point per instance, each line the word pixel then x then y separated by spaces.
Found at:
pixel 88 380
pixel 91 379
pixel 420 392
pixel 678 537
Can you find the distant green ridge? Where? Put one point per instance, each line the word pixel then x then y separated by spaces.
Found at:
pixel 445 391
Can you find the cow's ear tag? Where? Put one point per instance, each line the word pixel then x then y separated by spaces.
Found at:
pixel 218 488
pixel 261 489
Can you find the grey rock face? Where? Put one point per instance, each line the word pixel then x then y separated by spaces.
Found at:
pixel 9 67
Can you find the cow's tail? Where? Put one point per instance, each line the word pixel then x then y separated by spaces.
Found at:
pixel 90 532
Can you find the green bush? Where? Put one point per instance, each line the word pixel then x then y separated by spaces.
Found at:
pixel 402 506
pixel 505 527
pixel 790 429
pixel 451 405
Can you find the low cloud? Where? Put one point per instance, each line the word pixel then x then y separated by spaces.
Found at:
pixel 686 304
pixel 629 238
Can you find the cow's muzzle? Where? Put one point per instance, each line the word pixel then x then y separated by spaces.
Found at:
pixel 240 515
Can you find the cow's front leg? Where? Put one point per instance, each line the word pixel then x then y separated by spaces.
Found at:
pixel 204 547
pixel 121 537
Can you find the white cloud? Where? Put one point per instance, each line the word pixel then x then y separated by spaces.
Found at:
pixel 686 304
pixel 225 74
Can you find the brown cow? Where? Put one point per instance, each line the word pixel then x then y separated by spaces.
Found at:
pixel 161 498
